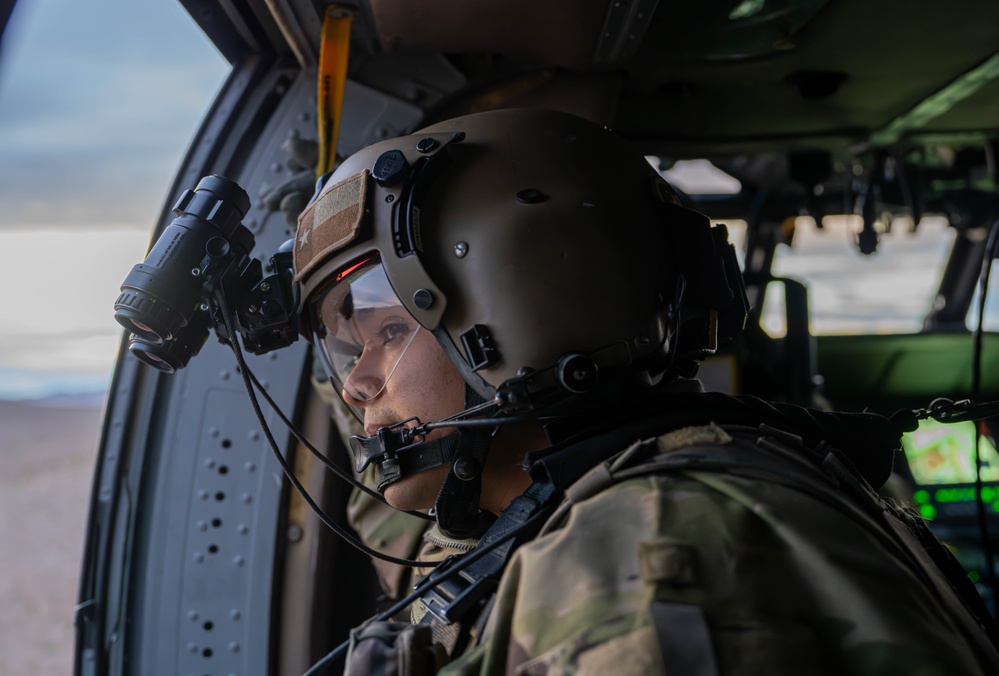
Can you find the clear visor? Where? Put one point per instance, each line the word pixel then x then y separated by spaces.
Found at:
pixel 362 331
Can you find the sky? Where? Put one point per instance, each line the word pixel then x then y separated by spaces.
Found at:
pixel 98 103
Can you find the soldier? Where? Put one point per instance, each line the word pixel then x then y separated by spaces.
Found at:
pixel 513 304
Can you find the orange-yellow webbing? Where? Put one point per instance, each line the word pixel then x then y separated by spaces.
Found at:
pixel 333 51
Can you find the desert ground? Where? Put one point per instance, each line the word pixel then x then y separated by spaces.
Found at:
pixel 47 452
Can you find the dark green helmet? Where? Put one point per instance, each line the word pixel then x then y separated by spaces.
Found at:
pixel 544 253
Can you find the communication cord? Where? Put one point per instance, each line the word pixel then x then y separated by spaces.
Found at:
pixel 244 372
pixel 336 469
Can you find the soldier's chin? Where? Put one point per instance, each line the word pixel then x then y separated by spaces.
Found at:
pixel 418 491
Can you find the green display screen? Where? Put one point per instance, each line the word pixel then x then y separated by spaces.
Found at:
pixel 941 453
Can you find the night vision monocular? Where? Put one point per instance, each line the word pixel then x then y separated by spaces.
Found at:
pixel 198 268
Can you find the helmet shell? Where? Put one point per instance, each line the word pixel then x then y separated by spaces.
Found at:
pixel 539 226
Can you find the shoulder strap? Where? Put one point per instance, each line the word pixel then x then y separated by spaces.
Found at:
pixel 454 604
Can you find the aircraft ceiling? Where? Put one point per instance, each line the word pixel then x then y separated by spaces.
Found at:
pixel 693 79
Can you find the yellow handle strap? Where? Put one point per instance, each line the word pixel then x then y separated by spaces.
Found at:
pixel 333 51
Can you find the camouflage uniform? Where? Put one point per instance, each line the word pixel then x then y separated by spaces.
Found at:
pixel 674 558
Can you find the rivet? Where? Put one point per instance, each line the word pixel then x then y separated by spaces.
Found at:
pixel 253 435
pixel 423 299
pixel 213 431
pixel 233 646
pixel 243 529
pixel 461 249
pixel 466 469
pixel 239 561
pixel 250 467
pixel 193 616
pixel 192 648
pixel 209 463
pixel 235 614
pixel 425 145
pixel 203 494
pixel 247 498
pixel 294 532
pixel 198 557
pixel 202 525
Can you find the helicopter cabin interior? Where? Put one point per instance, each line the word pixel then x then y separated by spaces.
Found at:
pixel 830 135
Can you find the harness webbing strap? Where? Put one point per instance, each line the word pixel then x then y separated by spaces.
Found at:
pixel 457 599
pixel 334 48
pixel 684 639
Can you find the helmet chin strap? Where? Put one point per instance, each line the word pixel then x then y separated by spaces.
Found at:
pixel 457 505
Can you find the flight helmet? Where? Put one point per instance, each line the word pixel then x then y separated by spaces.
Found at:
pixel 544 254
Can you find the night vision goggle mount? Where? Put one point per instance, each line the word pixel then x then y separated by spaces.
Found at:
pixel 200 264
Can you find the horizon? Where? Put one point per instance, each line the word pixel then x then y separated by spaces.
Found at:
pixel 94 121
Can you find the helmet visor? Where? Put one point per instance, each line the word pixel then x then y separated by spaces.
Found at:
pixel 362 330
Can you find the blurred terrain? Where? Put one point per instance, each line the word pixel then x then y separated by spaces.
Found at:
pixel 47 451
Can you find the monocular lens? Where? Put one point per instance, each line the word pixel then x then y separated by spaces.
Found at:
pixel 172 355
pixel 151 354
pixel 133 325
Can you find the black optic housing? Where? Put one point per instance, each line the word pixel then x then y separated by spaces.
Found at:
pixel 170 301
pixel 161 294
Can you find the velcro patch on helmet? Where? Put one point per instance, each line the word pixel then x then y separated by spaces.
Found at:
pixel 330 223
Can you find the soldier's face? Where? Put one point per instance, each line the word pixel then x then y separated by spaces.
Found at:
pixel 424 385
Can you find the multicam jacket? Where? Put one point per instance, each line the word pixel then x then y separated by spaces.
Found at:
pixel 727 550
